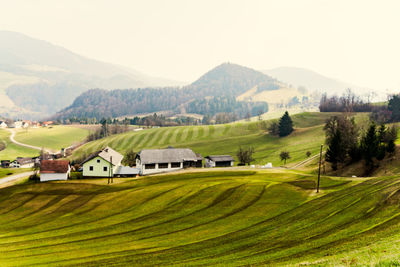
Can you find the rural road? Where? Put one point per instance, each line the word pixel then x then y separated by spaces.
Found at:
pixel 306 161
pixel 4 182
pixel 22 144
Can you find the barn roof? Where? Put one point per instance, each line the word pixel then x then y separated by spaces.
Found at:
pixel 166 155
pixel 54 166
pixel 217 158
pixel 23 161
pixel 125 170
pixel 107 153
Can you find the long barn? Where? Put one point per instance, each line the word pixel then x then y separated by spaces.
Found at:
pixel 163 160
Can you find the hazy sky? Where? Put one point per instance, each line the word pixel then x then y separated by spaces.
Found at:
pixel 355 41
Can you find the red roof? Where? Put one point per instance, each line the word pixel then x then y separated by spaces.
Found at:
pixel 54 166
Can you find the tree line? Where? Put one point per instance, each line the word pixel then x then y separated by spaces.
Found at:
pixel 349 102
pixel 347 143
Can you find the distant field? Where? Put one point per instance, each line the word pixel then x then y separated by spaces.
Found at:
pixel 53 138
pixel 210 218
pixel 225 139
pixel 12 151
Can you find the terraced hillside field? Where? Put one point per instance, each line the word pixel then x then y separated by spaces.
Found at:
pixel 12 150
pixel 53 138
pixel 202 218
pixel 224 139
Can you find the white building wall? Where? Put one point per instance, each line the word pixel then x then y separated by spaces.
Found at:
pixel 210 163
pixel 44 177
pixel 17 165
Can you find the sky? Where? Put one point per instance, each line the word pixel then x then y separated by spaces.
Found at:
pixel 356 41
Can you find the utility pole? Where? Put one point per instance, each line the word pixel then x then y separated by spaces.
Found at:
pixel 319 168
pixel 110 172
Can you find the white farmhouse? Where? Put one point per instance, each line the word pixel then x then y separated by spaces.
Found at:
pixel 53 170
pixel 150 161
pixel 18 124
pixel 103 163
pixel 3 124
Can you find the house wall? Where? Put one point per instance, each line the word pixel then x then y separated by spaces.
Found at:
pixel 44 177
pixel 144 171
pixel 17 165
pixel 98 168
pixel 209 163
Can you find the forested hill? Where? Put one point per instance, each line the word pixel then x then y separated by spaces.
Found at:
pixel 231 79
pixel 214 92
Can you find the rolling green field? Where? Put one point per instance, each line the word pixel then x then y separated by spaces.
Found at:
pixel 12 150
pixel 53 138
pixel 224 139
pixel 202 218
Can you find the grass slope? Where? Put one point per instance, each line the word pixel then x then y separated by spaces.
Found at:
pixel 202 218
pixel 12 151
pixel 224 139
pixel 53 138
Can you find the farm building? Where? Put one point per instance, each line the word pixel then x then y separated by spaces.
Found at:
pixel 103 163
pixel 23 163
pixel 18 124
pixel 5 164
pixel 53 170
pixel 125 171
pixel 3 124
pixel 219 161
pixel 162 160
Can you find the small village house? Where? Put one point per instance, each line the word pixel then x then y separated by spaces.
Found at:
pixel 22 163
pixel 5 164
pixel 47 123
pixel 26 124
pixel 219 161
pixel 54 170
pixel 18 124
pixel 3 124
pixel 103 163
pixel 163 160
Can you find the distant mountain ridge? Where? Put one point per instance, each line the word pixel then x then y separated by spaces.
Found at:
pixel 223 84
pixel 301 77
pixel 39 77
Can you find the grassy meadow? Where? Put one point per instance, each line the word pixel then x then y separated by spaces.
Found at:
pixel 202 218
pixel 12 150
pixel 224 139
pixel 53 138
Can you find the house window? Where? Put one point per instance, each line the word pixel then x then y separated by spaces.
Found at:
pixel 163 165
pixel 150 166
pixel 105 169
pixel 90 168
pixel 175 165
pixel 98 160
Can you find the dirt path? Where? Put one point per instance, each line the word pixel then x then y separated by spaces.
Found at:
pixel 12 139
pixel 302 163
pixel 12 179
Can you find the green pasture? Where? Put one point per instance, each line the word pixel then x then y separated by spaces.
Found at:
pixel 53 138
pixel 209 218
pixel 13 151
pixel 224 139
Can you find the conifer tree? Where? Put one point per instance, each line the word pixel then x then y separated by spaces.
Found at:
pixel 370 146
pixel 285 125
pixel 334 151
